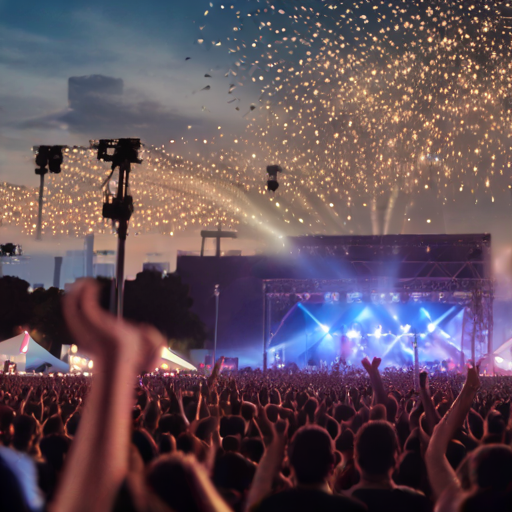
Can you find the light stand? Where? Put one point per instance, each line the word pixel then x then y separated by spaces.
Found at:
pixel 50 156
pixel 217 295
pixel 122 153
pixel 416 362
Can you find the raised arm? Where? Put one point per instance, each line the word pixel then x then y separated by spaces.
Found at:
pixel 430 411
pixel 98 461
pixel 441 475
pixel 269 466
pixel 379 393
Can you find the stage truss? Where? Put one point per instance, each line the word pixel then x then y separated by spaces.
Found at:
pixel 451 269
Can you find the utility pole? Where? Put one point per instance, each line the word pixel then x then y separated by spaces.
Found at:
pixel 119 208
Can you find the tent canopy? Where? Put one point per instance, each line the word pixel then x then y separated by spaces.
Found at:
pixel 29 355
pixel 174 361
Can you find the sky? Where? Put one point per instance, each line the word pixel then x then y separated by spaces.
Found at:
pixel 170 59
pixel 146 45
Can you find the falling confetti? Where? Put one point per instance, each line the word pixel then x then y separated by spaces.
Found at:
pixel 354 98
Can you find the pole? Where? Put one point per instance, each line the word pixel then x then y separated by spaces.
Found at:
pixel 464 322
pixel 57 271
pixel 306 352
pixel 89 255
pixel 217 246
pixel 473 335
pixel 416 363
pixel 121 244
pixel 40 212
pixel 217 295
pixel 122 230
pixel 264 327
pixel 490 329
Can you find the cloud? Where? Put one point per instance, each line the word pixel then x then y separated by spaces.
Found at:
pixel 99 107
pixel 39 52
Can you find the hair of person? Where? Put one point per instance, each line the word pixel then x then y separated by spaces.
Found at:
pixel 272 411
pixel 167 443
pixel 173 424
pixel 231 444
pixel 231 426
pixel 253 449
pixel 345 441
pixel 234 472
pixel 311 454
pixel 145 445
pixel 248 411
pixel 376 448
pixel 378 413
pixel 491 467
pixel 25 428
pixel 170 478
pixel 54 448
pixel 343 412
pixel 53 425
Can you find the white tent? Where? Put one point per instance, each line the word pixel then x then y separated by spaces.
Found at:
pixel 29 355
pixel 503 356
pixel 172 361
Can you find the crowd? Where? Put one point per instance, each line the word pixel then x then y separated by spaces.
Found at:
pixel 361 439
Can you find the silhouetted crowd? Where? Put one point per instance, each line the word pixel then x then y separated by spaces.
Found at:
pixel 362 439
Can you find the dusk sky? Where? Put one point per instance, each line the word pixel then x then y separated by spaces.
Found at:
pixel 146 45
pixel 174 65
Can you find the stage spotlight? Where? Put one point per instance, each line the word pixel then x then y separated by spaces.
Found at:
pixel 406 328
pixel 354 297
pixel 395 317
pixel 352 334
pixel 431 327
pixel 324 328
pixel 498 359
pixel 378 332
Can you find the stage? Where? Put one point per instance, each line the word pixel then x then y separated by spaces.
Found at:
pixel 393 292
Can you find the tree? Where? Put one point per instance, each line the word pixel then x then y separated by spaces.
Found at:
pixel 164 302
pixel 47 323
pixel 15 306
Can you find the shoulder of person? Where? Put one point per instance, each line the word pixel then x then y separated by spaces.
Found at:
pixel 410 491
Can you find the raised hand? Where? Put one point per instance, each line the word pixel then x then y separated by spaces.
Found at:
pixel 105 337
pixel 373 366
pixel 424 380
pixel 473 379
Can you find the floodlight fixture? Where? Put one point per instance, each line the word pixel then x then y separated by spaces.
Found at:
pixel 272 171
pixel 48 157
pixel 10 249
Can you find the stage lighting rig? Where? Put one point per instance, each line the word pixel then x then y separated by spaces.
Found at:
pixel 119 207
pixel 272 171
